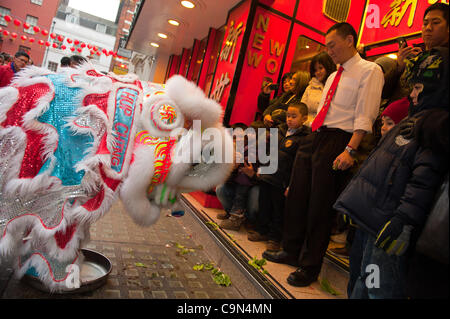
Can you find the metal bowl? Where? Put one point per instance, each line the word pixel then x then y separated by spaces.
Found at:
pixel 93 274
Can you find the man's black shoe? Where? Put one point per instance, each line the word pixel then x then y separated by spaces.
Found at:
pixel 301 278
pixel 280 257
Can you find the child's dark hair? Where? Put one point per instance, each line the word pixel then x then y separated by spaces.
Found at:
pixel 239 125
pixel 302 108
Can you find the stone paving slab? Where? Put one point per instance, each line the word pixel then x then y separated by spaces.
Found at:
pixel 148 263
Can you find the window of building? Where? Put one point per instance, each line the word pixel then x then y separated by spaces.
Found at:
pixel 52 66
pixel 39 2
pixel 70 18
pixel 305 50
pixel 3 12
pixel 32 21
pixel 100 28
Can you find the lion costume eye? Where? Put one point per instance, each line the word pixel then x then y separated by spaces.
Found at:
pixel 165 116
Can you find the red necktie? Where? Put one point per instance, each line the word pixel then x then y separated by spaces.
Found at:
pixel 318 121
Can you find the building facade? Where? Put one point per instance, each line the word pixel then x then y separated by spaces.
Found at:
pixel 81 32
pixel 38 13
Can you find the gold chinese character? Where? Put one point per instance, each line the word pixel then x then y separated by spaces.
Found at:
pixel 398 10
pixel 230 42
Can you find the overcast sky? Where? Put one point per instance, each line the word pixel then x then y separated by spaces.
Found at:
pixel 106 9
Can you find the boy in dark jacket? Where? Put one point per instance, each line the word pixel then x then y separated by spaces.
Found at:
pixel 391 195
pixel 269 220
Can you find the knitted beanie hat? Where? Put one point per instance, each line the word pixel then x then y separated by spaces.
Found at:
pixel 397 110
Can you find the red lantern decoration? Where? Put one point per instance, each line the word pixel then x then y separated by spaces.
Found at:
pixel 44 32
pixel 104 50
pixel 63 47
pixel 26 26
pixel 111 52
pixel 41 42
pixel 7 18
pixel 13 35
pixel 69 40
pixel 72 49
pixel 115 54
pixel 95 48
pixel 98 53
pixel 36 29
pixel 92 52
pixel 5 33
pixel 17 22
pixel 79 50
pixel 60 38
pixel 52 35
pixel 89 46
pixel 76 42
pixel 55 45
pixel 24 37
pixel 83 45
pixel 47 44
pixel 31 40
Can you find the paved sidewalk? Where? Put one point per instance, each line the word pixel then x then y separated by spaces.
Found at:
pixel 147 263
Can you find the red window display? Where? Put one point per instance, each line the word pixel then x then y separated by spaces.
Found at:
pixel 215 39
pixel 263 58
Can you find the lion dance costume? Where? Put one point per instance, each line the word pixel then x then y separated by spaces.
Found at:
pixel 72 142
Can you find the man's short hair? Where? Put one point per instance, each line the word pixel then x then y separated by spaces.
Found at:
pixel 65 61
pixel 344 29
pixel 443 7
pixel 21 53
pixel 301 107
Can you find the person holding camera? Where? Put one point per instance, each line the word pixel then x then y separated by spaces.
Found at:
pixel 275 113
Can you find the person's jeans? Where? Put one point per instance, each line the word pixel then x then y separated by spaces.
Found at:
pixel 226 194
pixel 356 254
pixel 381 276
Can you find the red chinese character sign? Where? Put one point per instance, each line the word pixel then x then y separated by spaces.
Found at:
pixel 229 54
pixel 389 19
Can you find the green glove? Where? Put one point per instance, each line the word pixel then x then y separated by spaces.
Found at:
pixel 394 237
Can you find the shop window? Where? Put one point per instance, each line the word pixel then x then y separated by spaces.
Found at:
pixel 305 50
pixel 214 55
pixel 3 12
pixel 39 2
pixel 32 21
pixel 100 28
pixel 52 66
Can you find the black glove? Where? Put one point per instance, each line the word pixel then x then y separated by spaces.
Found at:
pixel 394 237
pixel 407 128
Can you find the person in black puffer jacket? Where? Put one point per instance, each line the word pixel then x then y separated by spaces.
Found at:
pixel 392 193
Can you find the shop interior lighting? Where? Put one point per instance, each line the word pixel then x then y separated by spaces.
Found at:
pixel 187 4
pixel 153 44
pixel 162 35
pixel 174 22
pixel 392 56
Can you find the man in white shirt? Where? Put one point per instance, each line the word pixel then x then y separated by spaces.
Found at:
pixel 350 105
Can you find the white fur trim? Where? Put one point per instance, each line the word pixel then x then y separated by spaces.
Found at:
pixel 192 101
pixel 133 191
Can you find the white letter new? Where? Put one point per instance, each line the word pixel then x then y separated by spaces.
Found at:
pixel 73 278
pixel 373 279
pixel 373 16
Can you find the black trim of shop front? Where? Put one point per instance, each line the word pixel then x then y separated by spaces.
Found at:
pixel 204 54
